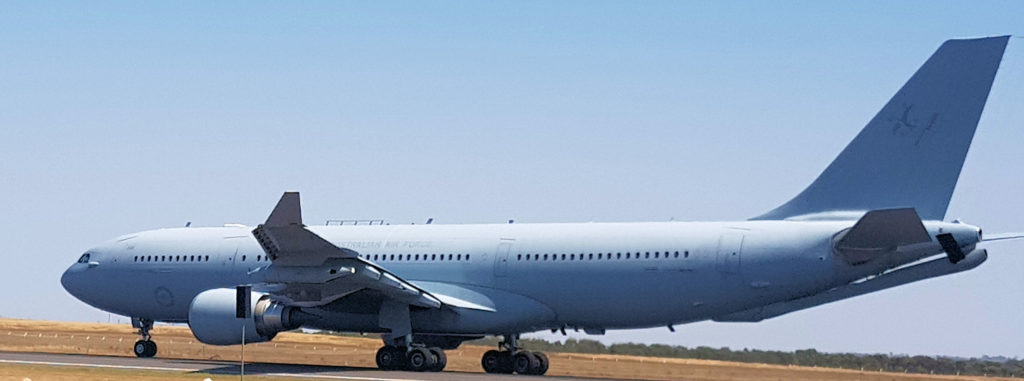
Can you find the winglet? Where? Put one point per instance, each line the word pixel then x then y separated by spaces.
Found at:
pixel 287 212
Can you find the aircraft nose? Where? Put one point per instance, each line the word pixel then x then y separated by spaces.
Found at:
pixel 71 280
pixel 65 280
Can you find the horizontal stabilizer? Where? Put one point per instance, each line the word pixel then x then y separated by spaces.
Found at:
pixel 880 232
pixel 885 229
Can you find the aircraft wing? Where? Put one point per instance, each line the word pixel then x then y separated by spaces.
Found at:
pixel 310 271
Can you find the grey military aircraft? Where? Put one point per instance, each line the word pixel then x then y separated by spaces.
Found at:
pixel 874 219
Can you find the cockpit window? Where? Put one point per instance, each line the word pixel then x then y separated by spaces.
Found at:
pixel 84 258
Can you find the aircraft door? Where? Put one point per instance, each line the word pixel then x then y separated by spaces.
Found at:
pixel 730 246
pixel 501 257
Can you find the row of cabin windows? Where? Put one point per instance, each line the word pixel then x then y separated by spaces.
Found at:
pixel 185 258
pixel 437 257
pixel 600 256
pixel 417 257
pixel 172 258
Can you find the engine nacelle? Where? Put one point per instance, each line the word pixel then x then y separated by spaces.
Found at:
pixel 211 316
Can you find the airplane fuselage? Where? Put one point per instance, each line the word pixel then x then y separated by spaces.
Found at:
pixel 636 275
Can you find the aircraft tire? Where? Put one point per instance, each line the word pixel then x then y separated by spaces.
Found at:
pixel 440 359
pixel 491 361
pixel 144 348
pixel 525 363
pixel 140 348
pixel 390 357
pixel 507 362
pixel 420 360
pixel 543 359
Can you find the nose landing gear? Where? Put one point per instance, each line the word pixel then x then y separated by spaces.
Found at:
pixel 510 359
pixel 144 348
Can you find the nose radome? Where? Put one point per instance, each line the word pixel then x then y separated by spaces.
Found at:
pixel 66 281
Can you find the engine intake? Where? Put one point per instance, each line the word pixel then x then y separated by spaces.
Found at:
pixel 211 316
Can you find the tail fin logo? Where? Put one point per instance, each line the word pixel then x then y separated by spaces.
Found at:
pixel 905 125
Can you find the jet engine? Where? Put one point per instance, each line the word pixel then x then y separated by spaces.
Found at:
pixel 211 316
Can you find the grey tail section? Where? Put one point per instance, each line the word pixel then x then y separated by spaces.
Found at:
pixel 910 154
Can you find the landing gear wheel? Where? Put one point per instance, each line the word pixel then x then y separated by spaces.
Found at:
pixel 491 361
pixel 543 368
pixel 420 360
pixel 390 358
pixel 144 348
pixel 525 363
pixel 507 362
pixel 440 359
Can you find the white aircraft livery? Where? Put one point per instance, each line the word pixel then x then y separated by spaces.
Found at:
pixel 874 219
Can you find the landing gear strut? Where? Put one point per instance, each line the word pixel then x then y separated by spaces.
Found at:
pixel 510 359
pixel 417 358
pixel 144 348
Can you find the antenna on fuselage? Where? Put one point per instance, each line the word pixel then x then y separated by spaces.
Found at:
pixel 188 223
pixel 430 220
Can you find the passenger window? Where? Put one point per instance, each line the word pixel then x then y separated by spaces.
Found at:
pixel 686 254
pixel 647 254
pixel 467 257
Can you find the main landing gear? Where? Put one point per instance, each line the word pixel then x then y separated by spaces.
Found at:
pixel 144 348
pixel 417 359
pixel 509 359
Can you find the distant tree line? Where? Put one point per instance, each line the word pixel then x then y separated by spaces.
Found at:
pixel 805 357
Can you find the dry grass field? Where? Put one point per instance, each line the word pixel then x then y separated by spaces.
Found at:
pixel 297 348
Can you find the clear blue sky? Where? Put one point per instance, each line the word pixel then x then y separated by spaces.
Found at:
pixel 120 117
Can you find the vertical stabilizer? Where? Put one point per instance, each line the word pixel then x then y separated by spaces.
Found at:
pixel 910 154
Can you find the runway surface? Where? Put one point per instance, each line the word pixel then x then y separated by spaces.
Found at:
pixel 274 370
